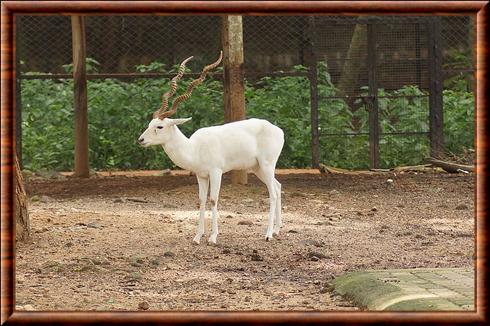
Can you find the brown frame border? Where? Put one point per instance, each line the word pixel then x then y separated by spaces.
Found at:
pixel 10 8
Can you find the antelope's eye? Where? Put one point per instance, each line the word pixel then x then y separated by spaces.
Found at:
pixel 160 127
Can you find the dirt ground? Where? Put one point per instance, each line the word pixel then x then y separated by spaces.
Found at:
pixel 125 243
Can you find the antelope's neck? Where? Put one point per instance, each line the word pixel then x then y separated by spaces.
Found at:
pixel 179 149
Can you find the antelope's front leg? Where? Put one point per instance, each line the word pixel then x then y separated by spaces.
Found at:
pixel 203 194
pixel 215 180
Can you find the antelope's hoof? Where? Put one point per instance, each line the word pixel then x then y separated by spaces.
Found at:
pixel 212 238
pixel 197 239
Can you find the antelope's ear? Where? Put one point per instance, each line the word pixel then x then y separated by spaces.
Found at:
pixel 175 122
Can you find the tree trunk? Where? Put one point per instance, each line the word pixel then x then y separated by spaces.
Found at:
pixel 22 225
pixel 354 61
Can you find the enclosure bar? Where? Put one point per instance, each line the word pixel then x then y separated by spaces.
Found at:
pixel 313 77
pixel 435 87
pixel 418 70
pixel 159 75
pixel 234 88
pixel 373 98
pixel 401 133
pixel 80 97
pixel 366 97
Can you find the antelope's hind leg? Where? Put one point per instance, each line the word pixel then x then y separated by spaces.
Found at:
pixel 203 194
pixel 215 180
pixel 265 172
pixel 278 221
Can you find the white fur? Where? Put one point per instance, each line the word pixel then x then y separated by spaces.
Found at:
pixel 253 145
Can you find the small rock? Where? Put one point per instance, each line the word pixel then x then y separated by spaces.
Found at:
pixel 256 257
pixel 249 223
pixel 143 305
pixel 169 254
pixel 135 276
pixel 317 254
pixel 312 242
pixel 324 290
pixel 28 307
pixel 94 225
pixel 137 200
pixel 461 207
pixel 226 251
pixel 136 261
pixel 374 209
pixel 155 262
pixel 314 258
pixel 229 216
pixel 292 231
pixel 389 180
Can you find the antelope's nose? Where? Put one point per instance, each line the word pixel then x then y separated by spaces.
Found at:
pixel 141 140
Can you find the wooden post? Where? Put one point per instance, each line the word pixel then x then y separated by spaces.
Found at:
pixel 234 94
pixel 313 77
pixel 436 120
pixel 80 97
pixel 373 98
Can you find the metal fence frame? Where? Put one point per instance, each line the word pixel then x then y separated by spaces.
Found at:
pixel 435 71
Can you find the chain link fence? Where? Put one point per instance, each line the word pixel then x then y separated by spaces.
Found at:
pixel 365 81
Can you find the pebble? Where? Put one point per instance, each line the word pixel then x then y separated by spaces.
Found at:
pixel 226 251
pixel 256 257
pixel 245 223
pixel 317 254
pixel 312 242
pixel 374 209
pixel 389 180
pixel 292 231
pixel 229 216
pixel 143 305
pixel 169 254
pixel 461 207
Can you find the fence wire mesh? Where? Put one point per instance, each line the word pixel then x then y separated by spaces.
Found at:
pixel 283 47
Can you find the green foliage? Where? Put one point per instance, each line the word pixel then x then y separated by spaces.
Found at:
pixel 120 111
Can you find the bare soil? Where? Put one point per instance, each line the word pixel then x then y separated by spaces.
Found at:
pixel 125 243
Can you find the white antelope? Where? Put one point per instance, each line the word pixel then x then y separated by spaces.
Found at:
pixel 253 145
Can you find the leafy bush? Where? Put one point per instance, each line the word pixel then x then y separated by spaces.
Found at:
pixel 120 111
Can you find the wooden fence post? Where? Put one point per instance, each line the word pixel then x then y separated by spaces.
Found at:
pixel 234 94
pixel 436 120
pixel 313 77
pixel 373 97
pixel 80 97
